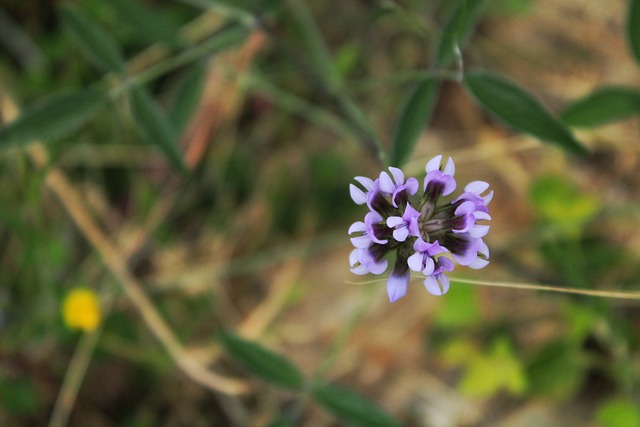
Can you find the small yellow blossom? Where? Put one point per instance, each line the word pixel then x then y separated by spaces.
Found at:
pixel 81 309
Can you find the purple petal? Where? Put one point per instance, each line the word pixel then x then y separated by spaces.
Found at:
pixel 445 264
pixel 412 185
pixel 465 209
pixel 447 182
pixel 378 267
pixel 467 257
pixel 435 248
pixel 397 286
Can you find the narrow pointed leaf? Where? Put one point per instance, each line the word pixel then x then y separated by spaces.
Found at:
pixel 157 127
pixel 603 106
pixel 413 118
pixel 457 30
pixel 94 42
pixel 53 117
pixel 149 24
pixel 186 98
pixel 262 362
pixel 633 28
pixel 352 408
pixel 514 106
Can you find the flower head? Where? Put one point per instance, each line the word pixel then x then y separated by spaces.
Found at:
pixel 81 309
pixel 426 231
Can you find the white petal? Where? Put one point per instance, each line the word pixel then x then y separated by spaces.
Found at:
pixel 479 263
pixel 357 195
pixel 398 176
pixel 478 215
pixel 394 221
pixel 360 270
pixel 488 198
pixel 367 183
pixel 353 257
pixel 437 287
pixel 434 164
pixel 386 184
pixel 357 226
pixel 361 242
pixel 401 234
pixel 450 168
pixel 415 262
pixel 476 187
pixel 479 231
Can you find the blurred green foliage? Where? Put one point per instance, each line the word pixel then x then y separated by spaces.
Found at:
pixel 95 109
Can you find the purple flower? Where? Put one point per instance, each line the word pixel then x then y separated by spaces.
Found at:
pixel 363 261
pixel 357 195
pixel 398 280
pixel 437 283
pixel 422 260
pixel 405 225
pixel 399 187
pixel 439 181
pixel 424 230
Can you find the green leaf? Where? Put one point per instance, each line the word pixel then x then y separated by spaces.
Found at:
pixel 457 30
pixel 157 127
pixel 633 28
pixel 412 119
pixel 52 117
pixel 186 98
pixel 603 106
pixel 262 362
pixel 618 412
pixel 94 42
pixel 518 109
pixel 148 23
pixel 352 408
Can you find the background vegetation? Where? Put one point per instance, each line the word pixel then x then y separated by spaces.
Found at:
pixel 187 163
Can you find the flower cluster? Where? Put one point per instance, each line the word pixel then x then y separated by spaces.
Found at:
pixel 420 225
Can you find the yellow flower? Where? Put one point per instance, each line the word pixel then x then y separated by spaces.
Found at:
pixel 81 309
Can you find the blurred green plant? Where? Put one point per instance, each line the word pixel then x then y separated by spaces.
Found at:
pixel 313 81
pixel 346 405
